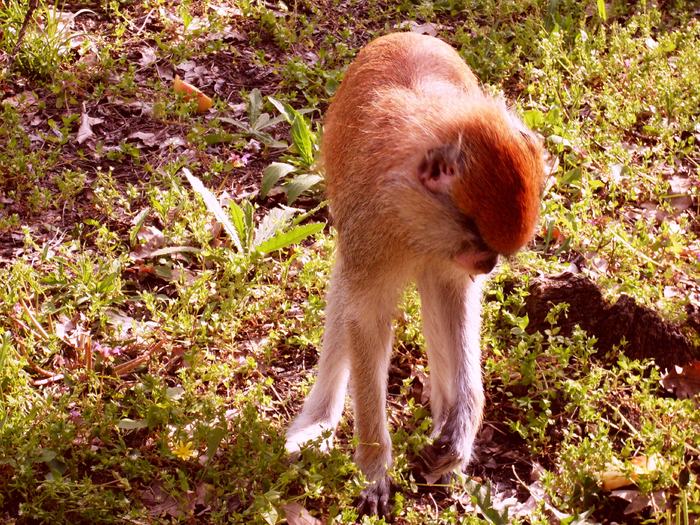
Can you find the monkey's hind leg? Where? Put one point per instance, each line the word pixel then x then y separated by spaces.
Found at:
pixel 324 405
pixel 371 348
pixel 451 306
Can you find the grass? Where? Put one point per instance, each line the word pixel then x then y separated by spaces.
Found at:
pixel 149 367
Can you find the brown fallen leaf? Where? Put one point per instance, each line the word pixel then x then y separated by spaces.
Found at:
pixel 423 29
pixel 150 239
pixel 148 56
pixel 147 138
pixel 22 101
pixel 160 503
pixel 296 514
pixel 204 493
pixel 683 381
pixel 86 122
pixel 192 93
pixel 638 501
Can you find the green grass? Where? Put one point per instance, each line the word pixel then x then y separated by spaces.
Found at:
pixel 149 367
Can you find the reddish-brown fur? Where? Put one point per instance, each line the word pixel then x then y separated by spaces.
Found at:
pixel 406 93
pixel 506 172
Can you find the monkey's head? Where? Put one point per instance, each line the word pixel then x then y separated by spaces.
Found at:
pixel 489 167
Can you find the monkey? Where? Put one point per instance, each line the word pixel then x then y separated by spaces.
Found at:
pixel 429 180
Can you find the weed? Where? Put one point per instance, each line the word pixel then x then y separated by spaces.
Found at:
pixel 45 45
pixel 303 158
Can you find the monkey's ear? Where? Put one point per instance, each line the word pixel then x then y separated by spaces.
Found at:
pixel 440 167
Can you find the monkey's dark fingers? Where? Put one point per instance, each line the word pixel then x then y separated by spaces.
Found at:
pixel 438 487
pixel 374 500
pixel 439 458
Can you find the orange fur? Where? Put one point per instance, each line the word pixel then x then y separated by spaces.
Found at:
pixel 406 93
pixel 507 173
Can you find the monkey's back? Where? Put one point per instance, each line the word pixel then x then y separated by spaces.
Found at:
pixel 403 96
pixel 367 123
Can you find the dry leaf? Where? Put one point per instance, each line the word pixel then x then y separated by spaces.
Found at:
pixel 298 515
pixel 421 385
pixel 671 291
pixel 126 326
pixel 137 107
pixel 148 139
pixel 618 173
pixel 64 327
pixel 225 11
pixel 204 493
pixel 160 503
pixel 422 29
pixel 639 501
pixel 21 101
pixel 151 239
pixel 538 497
pixel 148 57
pixel 683 381
pixel 680 198
pixel 165 71
pixel 680 185
pixel 86 123
pixel 551 163
pixel 173 142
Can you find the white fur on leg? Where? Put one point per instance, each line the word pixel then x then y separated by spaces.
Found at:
pixel 451 305
pixel 324 405
pixel 306 434
pixel 321 412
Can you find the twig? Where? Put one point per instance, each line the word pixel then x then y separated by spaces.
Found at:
pixel 279 398
pixel 52 379
pixel 128 367
pixel 145 21
pixel 20 36
pixel 432 498
pixel 85 347
pixel 43 333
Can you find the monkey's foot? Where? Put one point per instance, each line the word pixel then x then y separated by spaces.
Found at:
pixel 436 484
pixel 440 458
pixel 374 500
pixel 298 437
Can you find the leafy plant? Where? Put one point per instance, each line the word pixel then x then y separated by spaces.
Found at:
pixel 278 229
pixel 305 144
pixel 258 121
pixel 46 41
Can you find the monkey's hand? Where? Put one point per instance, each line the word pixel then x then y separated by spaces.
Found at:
pixel 374 500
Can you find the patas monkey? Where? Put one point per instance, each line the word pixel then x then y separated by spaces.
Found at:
pixel 429 179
